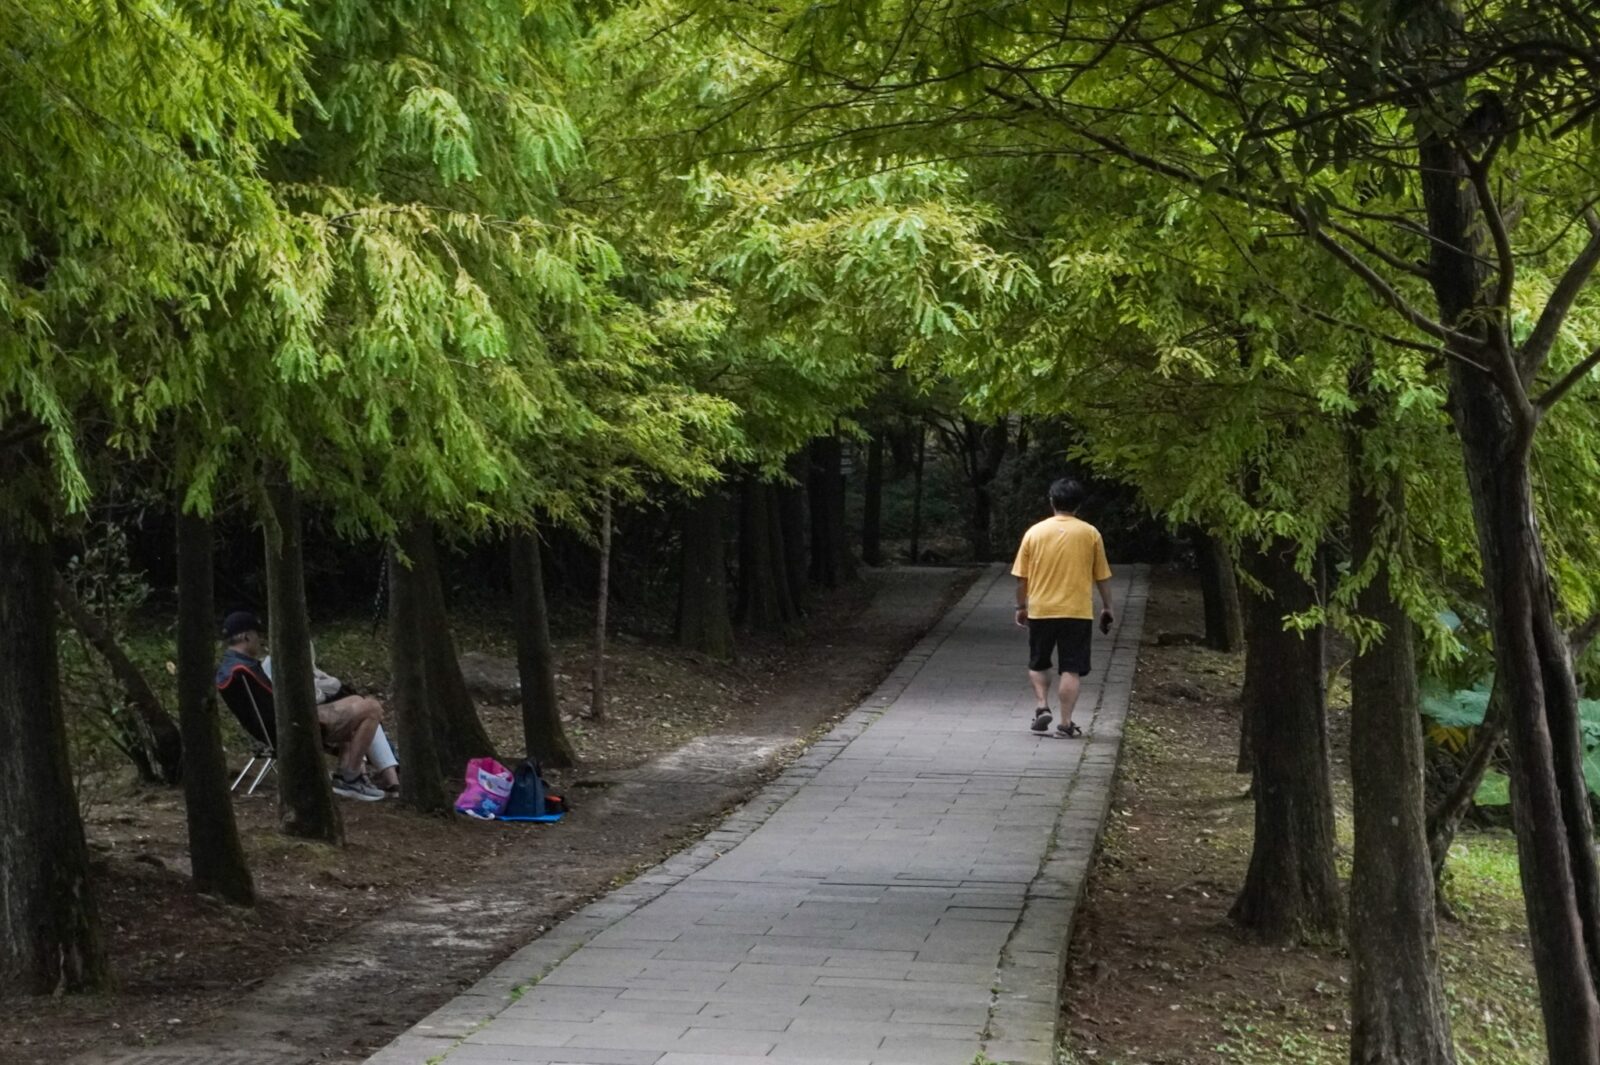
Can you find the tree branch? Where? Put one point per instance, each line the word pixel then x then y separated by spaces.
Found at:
pixel 1553 394
pixel 1536 349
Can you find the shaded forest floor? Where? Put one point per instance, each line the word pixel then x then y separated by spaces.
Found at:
pixel 1156 974
pixel 350 945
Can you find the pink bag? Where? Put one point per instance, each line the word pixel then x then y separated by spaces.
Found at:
pixel 488 788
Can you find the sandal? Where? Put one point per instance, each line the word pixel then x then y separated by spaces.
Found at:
pixel 1041 720
pixel 1069 729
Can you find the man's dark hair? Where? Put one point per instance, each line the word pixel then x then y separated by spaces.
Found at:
pixel 1067 495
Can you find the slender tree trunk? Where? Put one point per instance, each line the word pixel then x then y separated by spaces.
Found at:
pixel 1445 819
pixel 421 783
pixel 704 621
pixel 1220 590
pixel 49 927
pixel 597 703
pixel 916 493
pixel 1549 799
pixel 832 563
pixel 459 735
pixel 216 854
pixel 157 732
pixel 1259 679
pixel 791 516
pixel 764 604
pixel 1291 891
pixel 1397 1003
pixel 305 797
pixel 982 518
pixel 872 505
pixel 544 737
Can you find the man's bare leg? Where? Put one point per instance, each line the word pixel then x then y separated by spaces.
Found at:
pixel 1041 687
pixel 1069 697
pixel 387 779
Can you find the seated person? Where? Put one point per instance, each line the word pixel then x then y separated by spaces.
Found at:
pixel 349 724
pixel 382 765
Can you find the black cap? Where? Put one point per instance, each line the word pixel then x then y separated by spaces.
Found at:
pixel 240 621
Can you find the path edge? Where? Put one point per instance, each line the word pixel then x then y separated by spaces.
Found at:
pixel 1024 1029
pixel 431 1039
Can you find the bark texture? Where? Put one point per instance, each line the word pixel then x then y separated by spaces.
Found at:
pixel 764 601
pixel 544 736
pixel 305 797
pixel 1397 1004
pixel 832 562
pixel 421 784
pixel 216 854
pixel 459 734
pixel 872 505
pixel 49 927
pixel 705 623
pixel 1224 610
pixel 1291 891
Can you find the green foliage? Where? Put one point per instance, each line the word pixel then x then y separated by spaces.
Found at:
pixel 1453 716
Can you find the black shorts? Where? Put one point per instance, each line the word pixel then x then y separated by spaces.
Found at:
pixel 1068 638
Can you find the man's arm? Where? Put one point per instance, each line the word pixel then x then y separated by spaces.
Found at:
pixel 1107 616
pixel 1022 602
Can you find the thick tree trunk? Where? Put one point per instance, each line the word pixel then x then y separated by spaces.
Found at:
pixel 916 494
pixel 1549 799
pixel 216 854
pixel 832 562
pixel 544 737
pixel 1445 819
pixel 597 701
pixel 1397 1005
pixel 157 734
pixel 872 505
pixel 764 603
pixel 458 733
pixel 705 623
pixel 421 783
pixel 1291 891
pixel 305 795
pixel 1259 678
pixel 1220 590
pixel 49 928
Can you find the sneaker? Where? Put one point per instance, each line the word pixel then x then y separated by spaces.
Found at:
pixel 357 787
pixel 1041 719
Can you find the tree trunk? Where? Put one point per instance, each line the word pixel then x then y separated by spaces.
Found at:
pixel 791 515
pixel 1220 590
pixel 1291 891
pixel 49 927
pixel 458 733
pixel 544 737
pixel 1259 678
pixel 832 563
pixel 872 505
pixel 916 494
pixel 157 733
pixel 704 621
pixel 305 796
pixel 1549 799
pixel 216 854
pixel 1445 819
pixel 1397 1004
pixel 421 783
pixel 764 603
pixel 597 701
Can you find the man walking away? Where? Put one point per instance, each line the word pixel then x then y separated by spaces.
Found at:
pixel 1061 561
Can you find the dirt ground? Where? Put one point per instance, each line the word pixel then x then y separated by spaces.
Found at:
pixel 349 946
pixel 1156 974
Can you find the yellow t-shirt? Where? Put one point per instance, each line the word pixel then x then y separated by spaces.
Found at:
pixel 1061 557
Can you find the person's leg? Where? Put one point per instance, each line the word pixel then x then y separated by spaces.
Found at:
pixel 382 765
pixel 1070 683
pixel 348 725
pixel 1041 642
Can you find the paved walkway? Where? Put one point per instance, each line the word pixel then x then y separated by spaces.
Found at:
pixel 900 896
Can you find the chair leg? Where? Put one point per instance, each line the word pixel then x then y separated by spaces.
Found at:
pixel 259 775
pixel 242 773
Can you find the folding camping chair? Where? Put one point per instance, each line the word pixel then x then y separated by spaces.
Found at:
pixel 251 703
